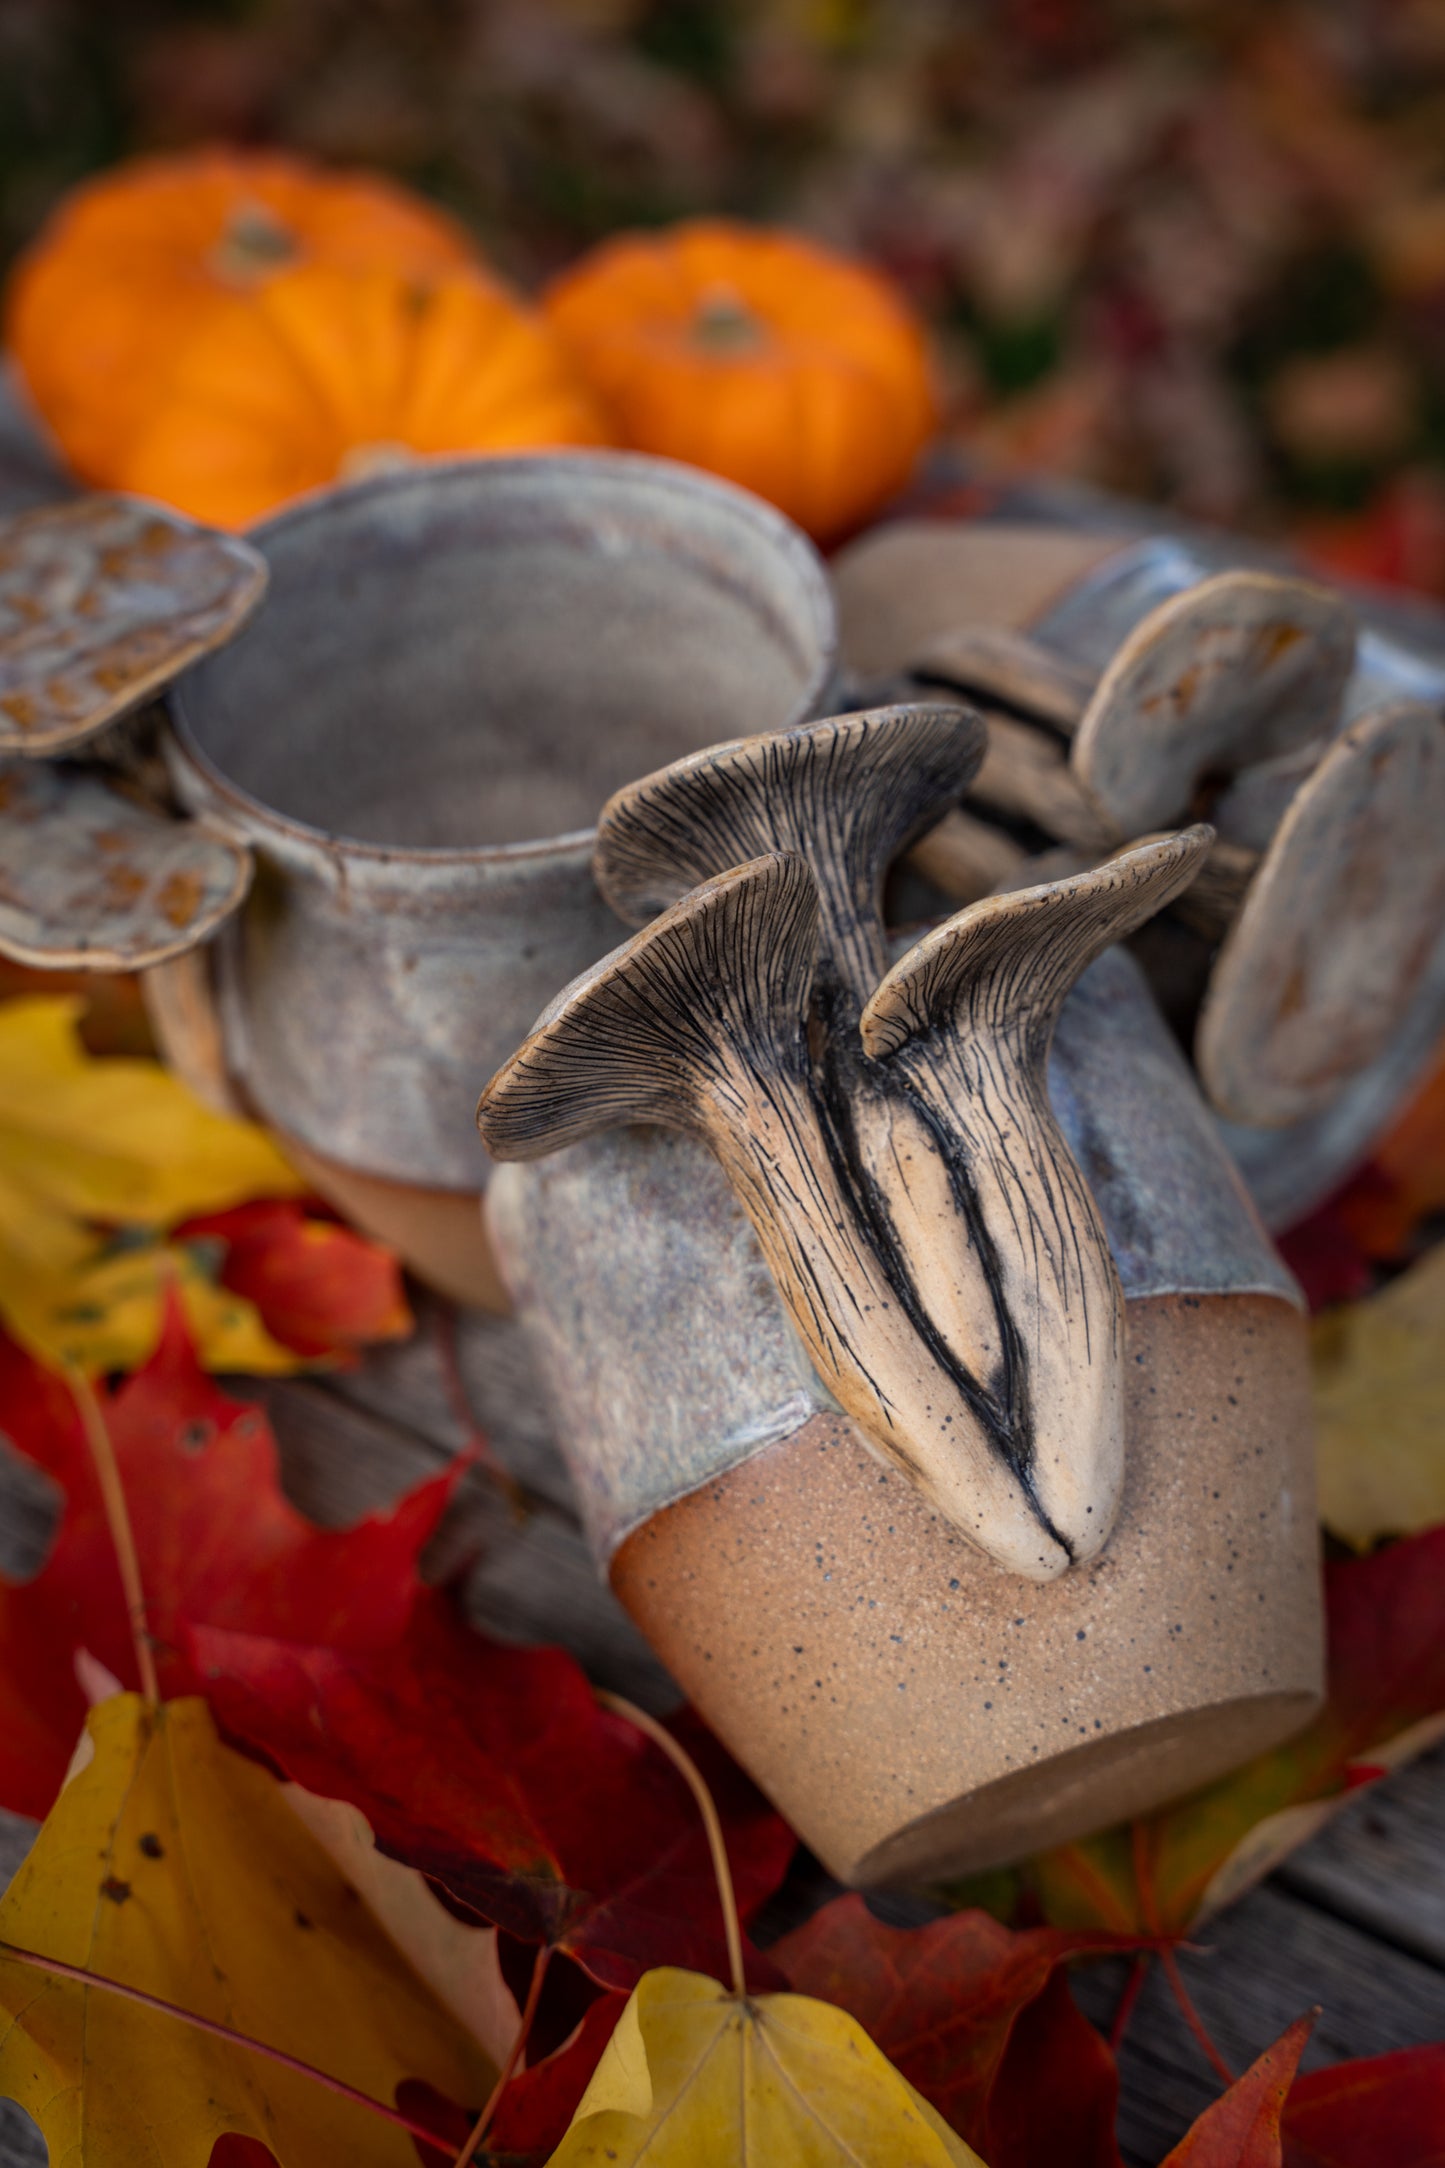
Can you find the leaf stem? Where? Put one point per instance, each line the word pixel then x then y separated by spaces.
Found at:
pixel 117 1517
pixel 217 2031
pixel 1124 2010
pixel 684 1763
pixel 483 2123
pixel 1191 2016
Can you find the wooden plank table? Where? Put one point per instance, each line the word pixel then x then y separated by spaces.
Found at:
pixel 1354 1922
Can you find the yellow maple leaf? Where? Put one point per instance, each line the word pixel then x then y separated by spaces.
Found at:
pixel 90 1146
pixel 1380 1407
pixel 177 1867
pixel 693 2074
pixel 105 1314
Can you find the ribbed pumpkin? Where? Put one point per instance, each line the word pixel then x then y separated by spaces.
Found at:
pixel 131 265
pixel 328 374
pixel 757 355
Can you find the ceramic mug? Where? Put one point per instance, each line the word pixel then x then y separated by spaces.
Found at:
pixel 451 663
pixel 916 1709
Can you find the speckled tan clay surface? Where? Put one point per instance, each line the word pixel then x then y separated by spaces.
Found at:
pixel 895 1692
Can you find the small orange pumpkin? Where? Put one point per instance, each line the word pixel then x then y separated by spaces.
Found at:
pixel 329 374
pixel 133 263
pixel 758 355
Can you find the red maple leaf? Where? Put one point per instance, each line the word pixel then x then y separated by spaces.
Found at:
pixel 979 2019
pixel 494 1770
pixel 1242 2128
pixel 1383 2109
pixel 320 1287
pixel 534 2111
pixel 216 1541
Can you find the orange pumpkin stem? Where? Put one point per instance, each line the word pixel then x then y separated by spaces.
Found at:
pixel 724 324
pixel 252 244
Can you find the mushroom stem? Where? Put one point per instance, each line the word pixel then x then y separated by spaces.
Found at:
pixel 1025 775
pixel 966 858
pixel 991 662
pixel 1029 1300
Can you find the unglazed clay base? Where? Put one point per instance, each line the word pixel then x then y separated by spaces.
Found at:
pixel 895 1693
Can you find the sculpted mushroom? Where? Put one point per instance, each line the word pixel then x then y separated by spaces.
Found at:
pixel 1339 928
pixel 1237 669
pixel 964 1022
pixel 102 602
pixel 700 1023
pixel 846 795
pixel 92 879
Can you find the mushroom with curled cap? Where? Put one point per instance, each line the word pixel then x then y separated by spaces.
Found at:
pixel 102 602
pixel 846 794
pixel 964 1022
pixel 699 1023
pixel 1237 669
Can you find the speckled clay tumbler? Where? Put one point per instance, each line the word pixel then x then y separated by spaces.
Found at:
pixel 912 1707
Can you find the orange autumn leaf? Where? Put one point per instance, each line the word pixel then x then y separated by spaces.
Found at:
pixel 1408 1176
pixel 319 1287
pixel 1242 2128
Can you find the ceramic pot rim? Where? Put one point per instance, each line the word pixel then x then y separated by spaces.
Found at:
pixel 313 846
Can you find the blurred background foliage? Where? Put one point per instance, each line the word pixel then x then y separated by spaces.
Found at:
pixel 1190 249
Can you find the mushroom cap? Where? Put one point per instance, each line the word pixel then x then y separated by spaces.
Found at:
pixel 1010 960
pixel 1338 929
pixel 847 794
pixel 102 602
pixel 1240 668
pixel 92 881
pixel 662 1021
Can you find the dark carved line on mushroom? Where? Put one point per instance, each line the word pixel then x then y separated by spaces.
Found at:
pixel 1002 1411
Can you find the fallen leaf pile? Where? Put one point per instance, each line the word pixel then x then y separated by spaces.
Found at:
pixel 325 1874
pixel 176 1866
